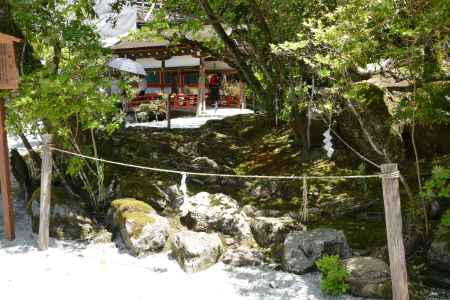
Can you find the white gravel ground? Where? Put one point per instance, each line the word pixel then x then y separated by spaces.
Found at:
pixel 75 270
pixel 195 122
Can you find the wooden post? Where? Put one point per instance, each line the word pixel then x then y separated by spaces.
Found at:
pixel 242 95
pixel 163 85
pixel 201 88
pixel 46 193
pixel 392 210
pixel 5 177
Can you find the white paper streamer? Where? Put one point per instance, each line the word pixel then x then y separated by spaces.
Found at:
pixel 183 187
pixel 327 141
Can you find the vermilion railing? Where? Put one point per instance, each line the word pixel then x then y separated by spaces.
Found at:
pixel 184 102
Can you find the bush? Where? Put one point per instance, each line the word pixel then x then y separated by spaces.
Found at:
pixel 334 275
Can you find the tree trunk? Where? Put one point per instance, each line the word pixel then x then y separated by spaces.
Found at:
pixel 236 54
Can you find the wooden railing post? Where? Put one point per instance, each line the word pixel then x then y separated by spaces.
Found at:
pixel 393 216
pixel 46 192
pixel 5 178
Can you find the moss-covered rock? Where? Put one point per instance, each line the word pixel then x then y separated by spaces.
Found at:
pixel 216 212
pixel 141 228
pixel 196 251
pixel 68 219
pixel 269 231
pixel 369 277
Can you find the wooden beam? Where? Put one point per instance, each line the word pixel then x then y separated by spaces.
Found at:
pixel 393 215
pixel 5 177
pixel 46 193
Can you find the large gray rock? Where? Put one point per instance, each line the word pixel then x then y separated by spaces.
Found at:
pixel 216 212
pixel 242 257
pixel 438 261
pixel 301 250
pixel 142 230
pixel 196 251
pixel 369 277
pixel 269 231
pixel 68 219
pixel 439 255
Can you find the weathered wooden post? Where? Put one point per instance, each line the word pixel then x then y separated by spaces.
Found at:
pixel 201 88
pixel 46 192
pixel 9 80
pixel 393 216
pixel 163 85
pixel 5 178
pixel 242 98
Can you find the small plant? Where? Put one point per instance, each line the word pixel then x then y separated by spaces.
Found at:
pixel 438 186
pixel 334 275
pixel 445 221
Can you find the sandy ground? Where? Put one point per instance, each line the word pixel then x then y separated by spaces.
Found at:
pixel 195 122
pixel 76 270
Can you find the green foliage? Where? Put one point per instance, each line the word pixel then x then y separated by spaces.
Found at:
pixel 68 95
pixel 438 186
pixel 334 275
pixel 445 220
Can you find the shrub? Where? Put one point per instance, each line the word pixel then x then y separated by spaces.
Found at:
pixel 334 275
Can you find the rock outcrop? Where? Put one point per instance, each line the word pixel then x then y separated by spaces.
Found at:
pixel 196 251
pixel 369 277
pixel 269 231
pixel 68 219
pixel 142 230
pixel 301 250
pixel 438 259
pixel 243 257
pixel 216 212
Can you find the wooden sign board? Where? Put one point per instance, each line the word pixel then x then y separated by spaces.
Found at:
pixel 9 74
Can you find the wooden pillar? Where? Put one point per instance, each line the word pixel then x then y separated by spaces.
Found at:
pixel 46 193
pixel 242 99
pixel 163 85
pixel 393 216
pixel 5 177
pixel 201 88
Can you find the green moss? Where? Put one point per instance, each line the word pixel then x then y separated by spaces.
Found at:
pixel 131 204
pixel 443 234
pixel 139 220
pixel 360 234
pixel 386 290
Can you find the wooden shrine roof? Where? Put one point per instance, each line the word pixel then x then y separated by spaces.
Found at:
pixel 159 50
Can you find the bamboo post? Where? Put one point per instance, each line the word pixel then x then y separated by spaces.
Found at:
pixel 46 192
pixel 5 177
pixel 392 209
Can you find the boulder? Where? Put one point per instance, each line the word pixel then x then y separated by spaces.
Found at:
pixel 369 277
pixel 243 257
pixel 68 219
pixel 301 250
pixel 269 231
pixel 216 212
pixel 438 259
pixel 174 196
pixel 196 251
pixel 438 255
pixel 205 164
pixel 142 230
